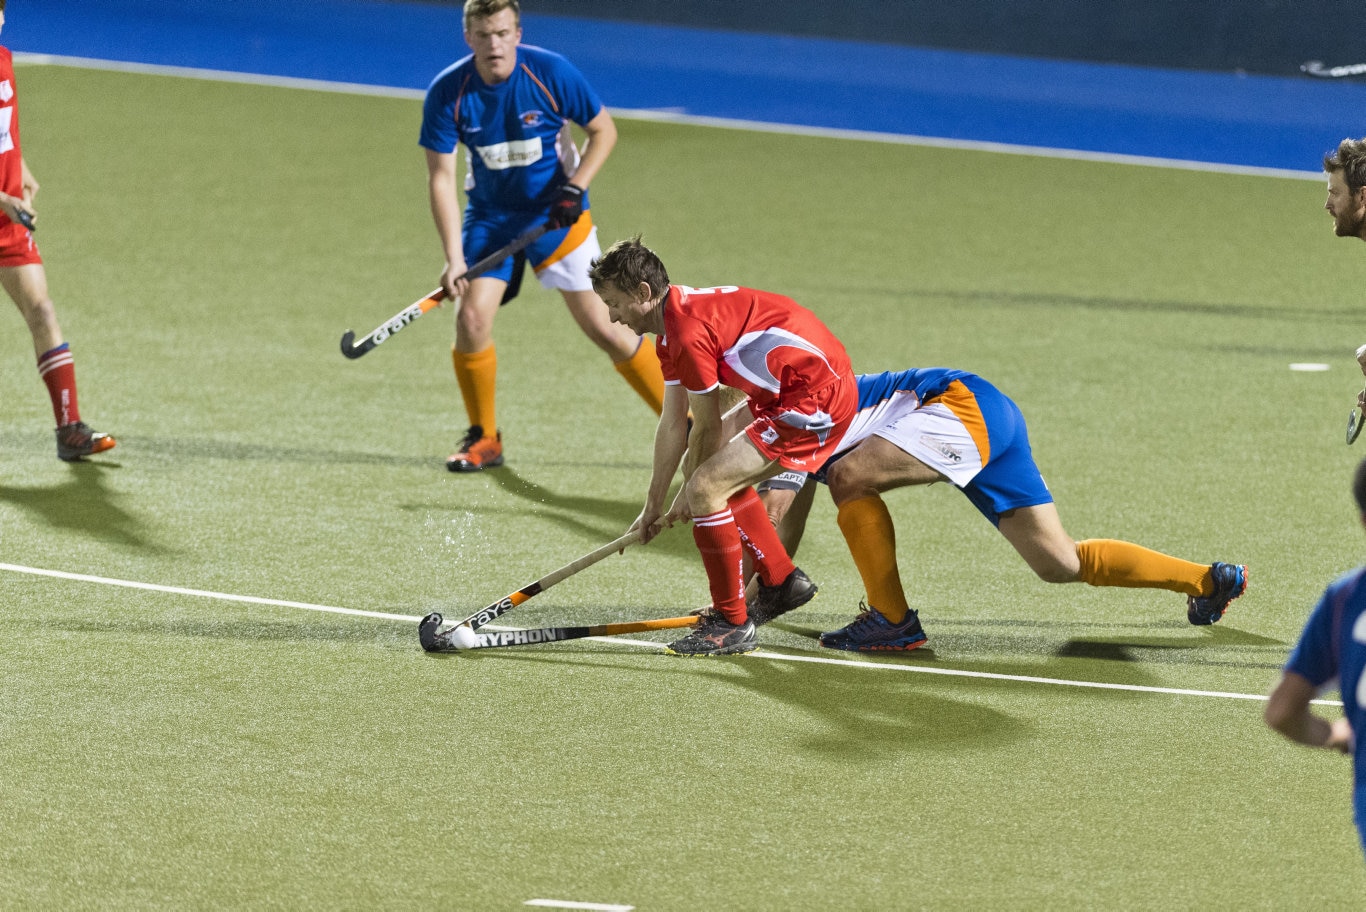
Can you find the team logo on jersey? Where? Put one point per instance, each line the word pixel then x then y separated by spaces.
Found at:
pixel 769 435
pixel 532 118
pixel 819 422
pixel 6 90
pixel 515 154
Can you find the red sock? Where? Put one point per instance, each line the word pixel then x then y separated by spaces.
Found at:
pixel 718 538
pixel 58 371
pixel 759 536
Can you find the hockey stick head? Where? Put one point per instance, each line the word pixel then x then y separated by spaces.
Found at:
pixel 1354 423
pixel 429 633
pixel 352 350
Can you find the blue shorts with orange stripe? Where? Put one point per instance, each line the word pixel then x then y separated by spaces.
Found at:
pixel 958 424
pixel 561 258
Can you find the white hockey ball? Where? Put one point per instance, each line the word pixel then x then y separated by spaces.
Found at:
pixel 464 637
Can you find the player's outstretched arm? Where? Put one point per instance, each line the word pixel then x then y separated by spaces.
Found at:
pixel 671 440
pixel 1287 711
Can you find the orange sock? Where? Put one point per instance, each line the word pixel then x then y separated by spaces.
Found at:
pixel 641 370
pixel 871 537
pixel 477 374
pixel 1106 562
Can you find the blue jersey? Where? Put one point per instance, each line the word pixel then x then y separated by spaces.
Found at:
pixel 1333 645
pixel 925 382
pixel 512 130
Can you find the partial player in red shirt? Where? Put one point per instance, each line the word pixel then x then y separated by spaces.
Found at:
pixel 25 281
pixel 801 392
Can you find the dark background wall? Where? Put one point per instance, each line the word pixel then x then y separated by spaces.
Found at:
pixel 1259 36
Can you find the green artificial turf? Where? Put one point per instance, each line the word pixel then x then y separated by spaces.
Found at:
pixel 208 243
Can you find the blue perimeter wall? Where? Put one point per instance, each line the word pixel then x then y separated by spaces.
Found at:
pixel 1241 120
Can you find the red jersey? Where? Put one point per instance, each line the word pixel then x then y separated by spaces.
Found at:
pixel 11 172
pixel 763 344
pixel 797 375
pixel 16 242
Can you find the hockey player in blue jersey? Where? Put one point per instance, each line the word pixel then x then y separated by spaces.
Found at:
pixel 1331 649
pixel 511 106
pixel 929 425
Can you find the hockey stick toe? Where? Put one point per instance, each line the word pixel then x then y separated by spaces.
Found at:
pixel 428 633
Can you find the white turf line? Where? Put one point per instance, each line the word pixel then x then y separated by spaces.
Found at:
pixel 776 656
pixel 667 116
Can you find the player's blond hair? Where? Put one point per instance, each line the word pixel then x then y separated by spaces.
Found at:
pixel 482 9
pixel 1350 159
pixel 626 264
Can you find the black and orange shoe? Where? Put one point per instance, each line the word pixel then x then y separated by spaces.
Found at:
pixel 715 635
pixel 77 440
pixel 477 452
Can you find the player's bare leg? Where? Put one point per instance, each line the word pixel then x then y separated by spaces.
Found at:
pixel 856 484
pixel 1037 534
pixel 27 287
pixel 633 355
pixel 475 360
pixel 727 515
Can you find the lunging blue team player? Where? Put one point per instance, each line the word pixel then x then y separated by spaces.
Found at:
pixel 511 106
pixel 1332 646
pixel 927 425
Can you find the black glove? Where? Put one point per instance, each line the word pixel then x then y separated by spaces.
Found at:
pixel 567 208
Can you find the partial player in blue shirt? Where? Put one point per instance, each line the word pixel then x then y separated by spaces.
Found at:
pixel 512 106
pixel 1331 648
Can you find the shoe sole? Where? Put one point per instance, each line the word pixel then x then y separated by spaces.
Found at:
pixel 727 650
pixel 730 650
pixel 880 647
pixel 100 446
pixel 464 465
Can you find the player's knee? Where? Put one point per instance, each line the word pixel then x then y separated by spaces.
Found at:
pixel 846 485
pixel 702 497
pixel 1056 568
pixel 39 313
pixel 1055 573
pixel 473 325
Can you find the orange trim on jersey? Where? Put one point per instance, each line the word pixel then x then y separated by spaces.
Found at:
pixel 554 106
pixel 578 233
pixel 459 97
pixel 961 401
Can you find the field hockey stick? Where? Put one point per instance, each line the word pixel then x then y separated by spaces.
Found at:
pixel 433 639
pixel 502 638
pixel 353 349
pixel 1354 423
pixel 1316 68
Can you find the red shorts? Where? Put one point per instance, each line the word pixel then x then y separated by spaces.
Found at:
pixel 16 245
pixel 802 433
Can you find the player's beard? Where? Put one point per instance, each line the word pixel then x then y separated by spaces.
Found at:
pixel 1351 224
